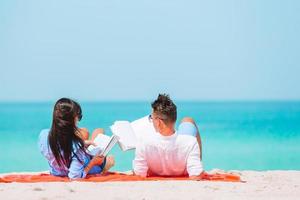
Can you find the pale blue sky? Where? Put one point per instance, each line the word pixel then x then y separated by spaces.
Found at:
pixel 131 50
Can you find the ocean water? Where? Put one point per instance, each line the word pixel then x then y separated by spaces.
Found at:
pixel 235 135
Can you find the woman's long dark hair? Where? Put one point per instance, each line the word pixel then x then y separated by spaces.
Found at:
pixel 64 132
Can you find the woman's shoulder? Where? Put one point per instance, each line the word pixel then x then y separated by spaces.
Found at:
pixel 43 139
pixel 44 134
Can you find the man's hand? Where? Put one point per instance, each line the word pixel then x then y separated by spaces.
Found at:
pixel 197 178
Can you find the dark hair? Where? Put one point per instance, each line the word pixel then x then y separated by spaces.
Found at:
pixel 164 107
pixel 64 132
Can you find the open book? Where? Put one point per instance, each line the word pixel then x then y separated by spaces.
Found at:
pixel 125 133
pixel 130 133
pixel 104 144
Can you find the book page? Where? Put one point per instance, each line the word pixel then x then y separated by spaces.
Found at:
pixel 113 140
pixel 125 132
pixel 143 128
pixel 101 142
pixel 130 133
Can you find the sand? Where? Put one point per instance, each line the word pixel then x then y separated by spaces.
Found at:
pixel 259 185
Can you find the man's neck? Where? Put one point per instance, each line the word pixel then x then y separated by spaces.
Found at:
pixel 167 132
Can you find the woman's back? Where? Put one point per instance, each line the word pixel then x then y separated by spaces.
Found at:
pixel 77 164
pixel 64 146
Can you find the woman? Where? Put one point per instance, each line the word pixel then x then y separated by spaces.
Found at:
pixel 64 145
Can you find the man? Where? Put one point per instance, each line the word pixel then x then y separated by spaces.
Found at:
pixel 169 152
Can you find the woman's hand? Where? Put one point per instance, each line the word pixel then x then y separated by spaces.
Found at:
pixel 89 142
pixel 97 160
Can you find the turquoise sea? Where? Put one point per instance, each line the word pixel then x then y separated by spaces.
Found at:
pixel 235 135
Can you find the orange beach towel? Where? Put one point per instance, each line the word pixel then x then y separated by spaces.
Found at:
pixel 110 177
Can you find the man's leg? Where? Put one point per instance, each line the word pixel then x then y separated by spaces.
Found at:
pixel 191 120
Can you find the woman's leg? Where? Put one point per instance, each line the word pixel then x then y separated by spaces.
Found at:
pixel 110 161
pixel 96 132
pixel 83 133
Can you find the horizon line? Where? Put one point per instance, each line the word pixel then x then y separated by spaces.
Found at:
pixel 144 100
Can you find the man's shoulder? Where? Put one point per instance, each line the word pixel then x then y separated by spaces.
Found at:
pixel 148 140
pixel 186 140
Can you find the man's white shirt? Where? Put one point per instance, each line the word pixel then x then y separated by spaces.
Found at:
pixel 173 155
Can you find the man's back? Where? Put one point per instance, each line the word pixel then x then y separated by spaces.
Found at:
pixel 173 155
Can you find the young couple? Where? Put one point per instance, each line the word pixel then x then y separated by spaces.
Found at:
pixel 166 153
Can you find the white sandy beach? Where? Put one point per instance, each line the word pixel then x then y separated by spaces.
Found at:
pixel 259 185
